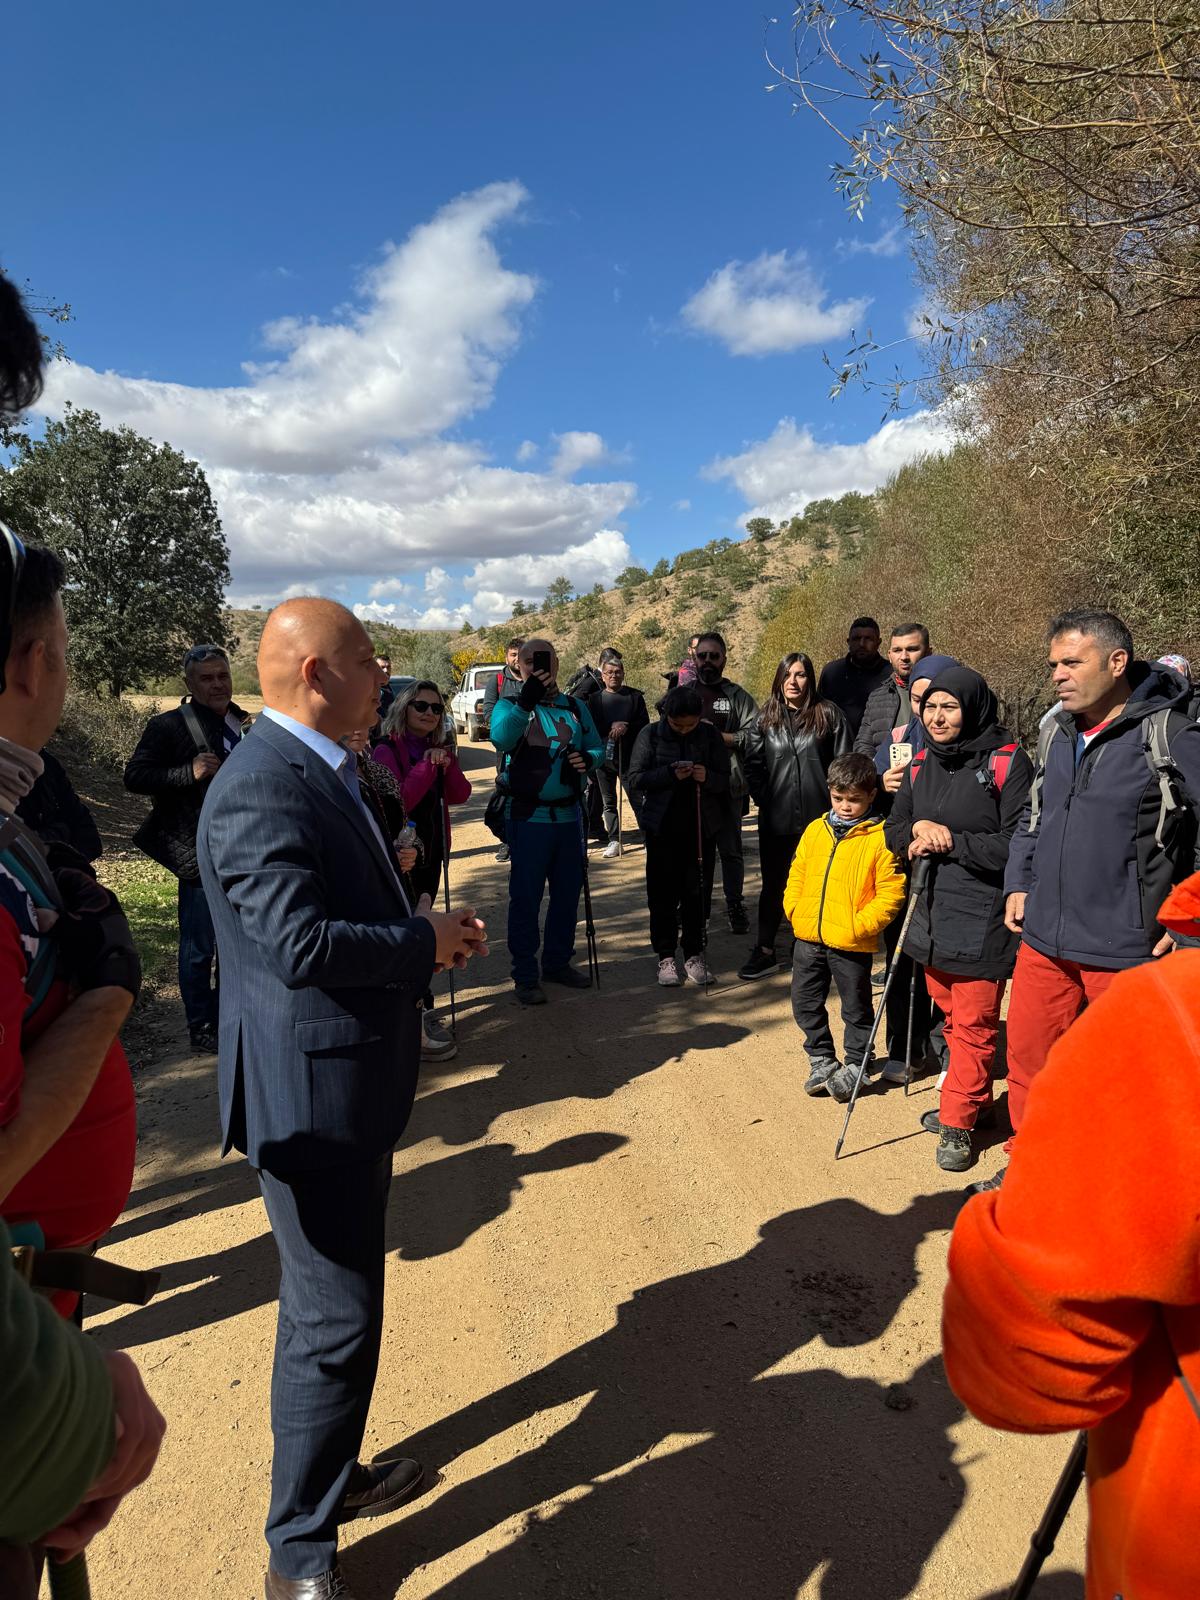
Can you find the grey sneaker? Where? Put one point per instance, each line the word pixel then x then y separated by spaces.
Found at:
pixel 668 973
pixel 954 1149
pixel 819 1074
pixel 841 1084
pixel 932 1123
pixel 697 969
pixel 501 854
pixel 437 1044
pixel 611 850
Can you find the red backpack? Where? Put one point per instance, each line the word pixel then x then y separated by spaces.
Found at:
pixel 999 762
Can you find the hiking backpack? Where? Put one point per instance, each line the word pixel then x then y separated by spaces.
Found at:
pixel 999 762
pixel 1156 747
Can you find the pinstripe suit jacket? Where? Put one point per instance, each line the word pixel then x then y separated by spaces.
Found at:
pixel 322 970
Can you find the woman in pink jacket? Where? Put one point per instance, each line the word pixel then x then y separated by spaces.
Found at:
pixel 415 751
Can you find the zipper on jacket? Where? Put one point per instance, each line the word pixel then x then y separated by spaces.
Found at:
pixel 825 880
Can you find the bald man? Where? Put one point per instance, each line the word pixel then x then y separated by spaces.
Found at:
pixel 323 966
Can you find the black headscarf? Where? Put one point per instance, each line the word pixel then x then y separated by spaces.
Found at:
pixel 981 732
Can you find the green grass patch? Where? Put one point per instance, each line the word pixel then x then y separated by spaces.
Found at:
pixel 149 896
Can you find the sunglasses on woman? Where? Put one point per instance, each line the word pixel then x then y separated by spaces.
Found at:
pixel 426 706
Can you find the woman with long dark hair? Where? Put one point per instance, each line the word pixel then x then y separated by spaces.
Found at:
pixel 789 746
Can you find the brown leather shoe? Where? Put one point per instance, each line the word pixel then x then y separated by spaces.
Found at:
pixel 380 1487
pixel 329 1586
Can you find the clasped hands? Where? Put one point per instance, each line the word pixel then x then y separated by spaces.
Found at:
pixel 458 935
pixel 930 839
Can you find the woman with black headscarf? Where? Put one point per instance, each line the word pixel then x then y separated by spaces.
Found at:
pixel 960 805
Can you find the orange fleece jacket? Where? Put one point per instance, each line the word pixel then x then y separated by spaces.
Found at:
pixel 1064 1282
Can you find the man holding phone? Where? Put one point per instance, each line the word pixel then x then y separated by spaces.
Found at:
pixel 549 744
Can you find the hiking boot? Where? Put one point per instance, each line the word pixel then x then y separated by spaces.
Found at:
pixel 204 1040
pixel 841 1084
pixel 759 964
pixel 437 1043
pixel 697 969
pixel 739 922
pixel 954 1149
pixel 985 1185
pixel 819 1073
pixel 570 977
pixel 894 1071
pixel 931 1122
pixel 668 973
pixel 611 850
pixel 531 994
pixel 501 854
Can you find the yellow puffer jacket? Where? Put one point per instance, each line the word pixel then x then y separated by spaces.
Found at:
pixel 843 892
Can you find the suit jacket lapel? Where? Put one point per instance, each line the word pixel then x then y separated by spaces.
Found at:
pixel 322 776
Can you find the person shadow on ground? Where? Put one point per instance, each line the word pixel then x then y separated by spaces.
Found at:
pixel 693 1467
pixel 432 1209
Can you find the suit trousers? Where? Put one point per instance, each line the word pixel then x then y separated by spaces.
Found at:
pixel 608 785
pixel 329 1231
pixel 814 968
pixel 775 852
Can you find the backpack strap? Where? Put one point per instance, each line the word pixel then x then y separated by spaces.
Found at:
pixel 915 765
pixel 194 727
pixel 999 763
pixel 1045 740
pixel 1172 788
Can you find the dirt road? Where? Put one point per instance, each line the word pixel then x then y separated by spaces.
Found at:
pixel 648 1338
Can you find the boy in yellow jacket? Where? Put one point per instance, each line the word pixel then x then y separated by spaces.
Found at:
pixel 843 890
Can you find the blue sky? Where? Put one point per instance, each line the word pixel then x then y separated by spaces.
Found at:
pixel 449 299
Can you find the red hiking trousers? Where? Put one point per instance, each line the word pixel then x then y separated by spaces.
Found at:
pixel 972 1011
pixel 1047 996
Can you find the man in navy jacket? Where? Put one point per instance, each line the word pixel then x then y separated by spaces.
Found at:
pixel 323 968
pixel 1088 871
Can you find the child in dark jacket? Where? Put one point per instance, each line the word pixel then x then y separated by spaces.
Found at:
pixel 678 774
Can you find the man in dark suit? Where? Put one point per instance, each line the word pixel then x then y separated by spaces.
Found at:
pixel 323 968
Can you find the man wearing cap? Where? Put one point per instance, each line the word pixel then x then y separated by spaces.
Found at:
pixel 174 762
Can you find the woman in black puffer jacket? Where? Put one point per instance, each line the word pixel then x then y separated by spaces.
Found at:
pixel 959 805
pixel 789 746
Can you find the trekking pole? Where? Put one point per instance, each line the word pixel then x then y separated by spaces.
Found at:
pixel 912 1007
pixel 1049 1528
pixel 920 874
pixel 620 797
pixel 588 924
pixel 700 878
pixel 444 827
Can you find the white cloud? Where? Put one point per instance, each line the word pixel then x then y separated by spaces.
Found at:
pixel 780 475
pixel 437 581
pixel 888 243
pixel 411 616
pixel 682 505
pixel 773 303
pixel 526 451
pixel 577 450
pixel 330 463
pixel 388 586
pixel 496 583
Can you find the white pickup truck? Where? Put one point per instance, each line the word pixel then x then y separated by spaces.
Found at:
pixel 467 705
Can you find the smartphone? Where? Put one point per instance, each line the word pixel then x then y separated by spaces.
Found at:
pixel 901 755
pixel 541 661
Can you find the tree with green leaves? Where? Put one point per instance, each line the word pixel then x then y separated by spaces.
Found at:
pixel 661 568
pixel 559 593
pixel 760 529
pixel 431 660
pixel 521 609
pixel 138 532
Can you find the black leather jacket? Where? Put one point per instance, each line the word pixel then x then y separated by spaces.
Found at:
pixel 161 767
pixel 786 770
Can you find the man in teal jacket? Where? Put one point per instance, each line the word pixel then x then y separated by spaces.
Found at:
pixel 549 744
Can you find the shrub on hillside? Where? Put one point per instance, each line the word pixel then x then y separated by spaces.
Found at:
pixel 107 729
pixel 650 628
